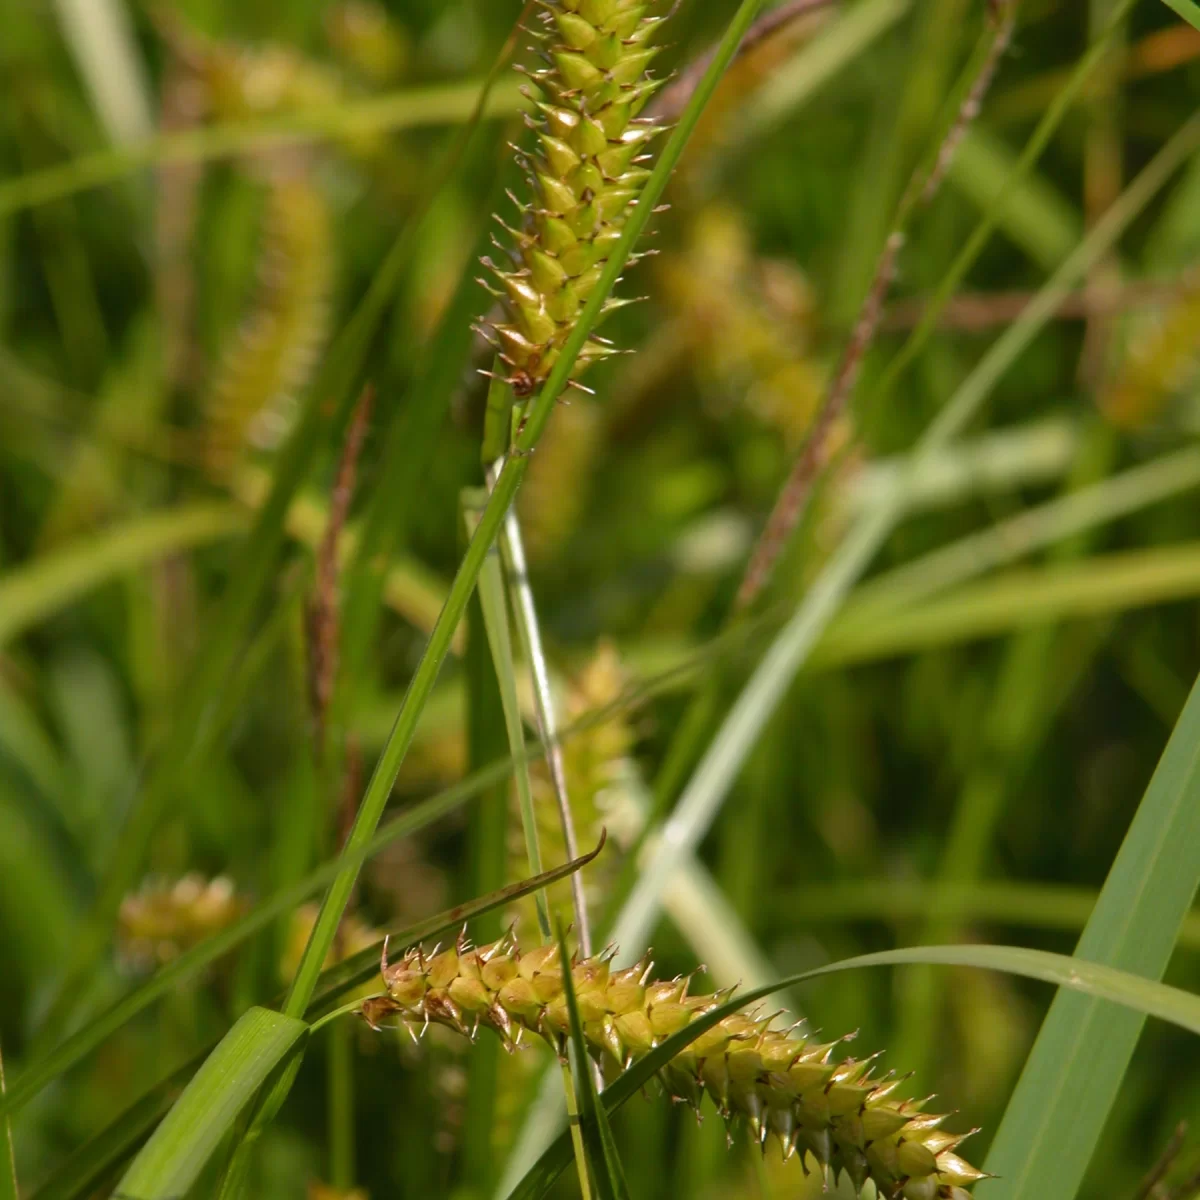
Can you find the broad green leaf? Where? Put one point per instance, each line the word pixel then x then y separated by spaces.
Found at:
pixel 98 1158
pixel 1145 996
pixel 179 1148
pixel 1074 1071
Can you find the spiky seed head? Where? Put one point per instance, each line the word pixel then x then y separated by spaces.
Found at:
pixel 778 1082
pixel 586 174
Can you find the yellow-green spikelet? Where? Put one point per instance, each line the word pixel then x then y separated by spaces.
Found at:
pixel 782 1084
pixel 275 348
pixel 585 174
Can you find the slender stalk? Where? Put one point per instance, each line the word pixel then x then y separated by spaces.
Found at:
pixel 524 609
pixel 340 1054
pixel 1063 101
pixel 9 1190
pixel 922 188
pixel 496 619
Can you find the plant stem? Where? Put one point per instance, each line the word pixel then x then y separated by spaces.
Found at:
pixel 340 1051
pixel 524 609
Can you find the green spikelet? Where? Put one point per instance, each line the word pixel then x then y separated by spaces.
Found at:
pixel 277 344
pixel 781 1084
pixel 585 173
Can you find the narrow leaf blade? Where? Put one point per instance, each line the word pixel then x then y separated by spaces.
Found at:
pixel 176 1153
pixel 1074 1072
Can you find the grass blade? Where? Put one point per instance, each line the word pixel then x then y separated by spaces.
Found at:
pixel 444 104
pixel 493 602
pixel 597 1134
pixel 180 1147
pixel 1147 997
pixel 1189 10
pixel 42 588
pixel 710 783
pixel 8 1164
pixel 1073 513
pixel 1073 1074
pixel 1096 586
pixel 1059 907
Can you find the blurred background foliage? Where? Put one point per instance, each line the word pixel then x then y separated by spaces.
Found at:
pixel 157 333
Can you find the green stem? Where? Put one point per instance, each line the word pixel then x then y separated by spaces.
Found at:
pixel 340 1050
pixel 351 1006
pixel 495 618
pixel 9 1189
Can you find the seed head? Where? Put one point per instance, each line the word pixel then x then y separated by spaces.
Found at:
pixel 783 1085
pixel 585 173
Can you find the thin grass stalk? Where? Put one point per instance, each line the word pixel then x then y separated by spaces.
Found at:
pixel 9 1189
pixel 340 1064
pixel 921 190
pixel 703 797
pixel 493 601
pixel 524 607
pixel 494 604
pixel 1063 101
pixel 487 866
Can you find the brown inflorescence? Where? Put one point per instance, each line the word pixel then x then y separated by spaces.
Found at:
pixel 783 1085
pixel 585 174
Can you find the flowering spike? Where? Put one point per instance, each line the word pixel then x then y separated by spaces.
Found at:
pixel 586 172
pixel 777 1081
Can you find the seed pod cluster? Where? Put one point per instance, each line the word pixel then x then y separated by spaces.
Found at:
pixel 163 919
pixel 781 1084
pixel 585 174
